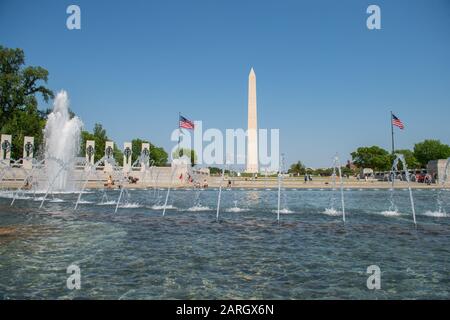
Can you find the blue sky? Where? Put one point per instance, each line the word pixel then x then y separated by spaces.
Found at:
pixel 325 80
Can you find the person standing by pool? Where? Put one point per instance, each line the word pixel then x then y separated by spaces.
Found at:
pixel 110 182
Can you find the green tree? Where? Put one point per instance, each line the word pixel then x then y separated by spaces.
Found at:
pixel 19 87
pixel 297 169
pixel 430 150
pixel 24 123
pixel 323 172
pixel 85 136
pixel 158 155
pixel 118 155
pixel 373 157
pixel 99 136
pixel 136 148
pixel 190 153
pixel 347 171
pixel 218 171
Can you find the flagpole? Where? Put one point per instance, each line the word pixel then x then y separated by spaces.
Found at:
pixel 392 133
pixel 179 134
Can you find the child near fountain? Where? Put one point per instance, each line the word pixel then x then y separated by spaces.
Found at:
pixel 110 182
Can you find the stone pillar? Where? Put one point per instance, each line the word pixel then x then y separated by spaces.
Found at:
pixel 109 154
pixel 5 147
pixel 145 151
pixel 90 152
pixel 28 151
pixel 127 157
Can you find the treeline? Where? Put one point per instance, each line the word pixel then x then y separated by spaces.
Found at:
pixel 158 155
pixel 379 159
pixel 20 86
pixel 298 169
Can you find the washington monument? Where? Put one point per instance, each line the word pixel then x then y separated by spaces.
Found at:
pixel 252 139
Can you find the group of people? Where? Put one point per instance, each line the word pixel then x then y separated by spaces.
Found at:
pixel 307 178
pixel 199 185
pixel 196 183
pixel 110 181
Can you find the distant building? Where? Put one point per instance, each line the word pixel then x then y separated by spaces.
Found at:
pixel 204 171
pixel 436 168
pixel 366 173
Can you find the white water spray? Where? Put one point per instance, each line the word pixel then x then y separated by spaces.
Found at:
pixel 220 193
pixel 400 158
pixel 280 182
pixel 442 181
pixel 337 170
pixel 62 142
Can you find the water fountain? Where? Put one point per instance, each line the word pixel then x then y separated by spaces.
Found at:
pixel 118 176
pixel 55 173
pixel 143 162
pixel 176 163
pixel 62 142
pixel 440 210
pixel 155 186
pixel 220 193
pixel 280 182
pixel 90 169
pixel 282 196
pixel 399 158
pixel 235 172
pixel 336 170
pixel 122 190
pixel 30 179
pixel 7 169
pixel 280 178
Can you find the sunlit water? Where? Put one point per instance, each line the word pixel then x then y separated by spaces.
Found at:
pixel 138 254
pixel 62 142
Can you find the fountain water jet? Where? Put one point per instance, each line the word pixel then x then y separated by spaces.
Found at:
pixel 400 158
pixel 91 168
pixel 280 182
pixel 62 167
pixel 220 194
pixel 337 170
pixel 62 142
pixel 175 164
pixel 442 182
pixel 29 179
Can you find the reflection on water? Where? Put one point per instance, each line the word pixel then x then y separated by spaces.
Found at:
pixel 138 254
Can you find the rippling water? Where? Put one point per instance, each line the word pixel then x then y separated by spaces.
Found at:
pixel 138 254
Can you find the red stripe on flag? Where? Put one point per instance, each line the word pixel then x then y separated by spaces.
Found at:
pixel 397 122
pixel 185 123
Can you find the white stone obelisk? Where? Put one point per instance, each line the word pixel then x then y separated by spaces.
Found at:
pixel 252 138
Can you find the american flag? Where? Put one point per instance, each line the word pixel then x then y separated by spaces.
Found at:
pixel 185 123
pixel 397 122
